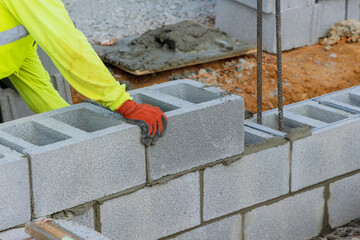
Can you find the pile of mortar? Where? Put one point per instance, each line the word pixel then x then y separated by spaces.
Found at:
pixel 172 46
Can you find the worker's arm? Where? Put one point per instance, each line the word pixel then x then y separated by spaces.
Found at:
pixel 50 25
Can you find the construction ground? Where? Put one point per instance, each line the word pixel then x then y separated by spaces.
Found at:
pixel 299 183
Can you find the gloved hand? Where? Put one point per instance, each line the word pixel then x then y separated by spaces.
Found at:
pixel 151 119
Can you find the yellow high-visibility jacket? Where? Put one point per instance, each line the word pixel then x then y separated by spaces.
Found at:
pixel 26 23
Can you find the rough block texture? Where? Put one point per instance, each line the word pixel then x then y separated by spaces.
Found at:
pixel 269 5
pixel 299 25
pixel 344 202
pixel 14 189
pixel 345 99
pixel 253 179
pixel 329 152
pixel 83 158
pixel 228 228
pixel 14 234
pixel 298 217
pixel 353 9
pixel 330 12
pixel 195 134
pixel 155 212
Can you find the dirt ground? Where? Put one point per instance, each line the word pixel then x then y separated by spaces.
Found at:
pixel 307 72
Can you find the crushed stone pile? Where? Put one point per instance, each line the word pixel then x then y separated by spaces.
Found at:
pixel 348 29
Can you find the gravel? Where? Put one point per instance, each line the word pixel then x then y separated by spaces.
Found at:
pixel 101 20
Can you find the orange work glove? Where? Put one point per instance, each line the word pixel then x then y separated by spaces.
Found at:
pixel 151 120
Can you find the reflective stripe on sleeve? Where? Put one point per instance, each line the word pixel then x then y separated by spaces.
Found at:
pixel 13 35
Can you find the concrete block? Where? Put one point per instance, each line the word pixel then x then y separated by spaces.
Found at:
pixel 344 204
pixel 14 234
pixel 299 25
pixel 348 99
pixel 329 152
pixel 80 230
pixel 228 228
pixel 154 212
pixel 330 12
pixel 83 215
pixel 82 151
pixel 47 62
pixel 195 125
pixel 353 9
pixel 62 86
pixel 298 217
pixel 254 137
pixel 253 179
pixel 269 5
pixel 12 105
pixel 14 189
pixel 306 113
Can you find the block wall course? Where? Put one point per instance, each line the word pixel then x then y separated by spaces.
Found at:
pixel 297 217
pixel 194 127
pixel 102 159
pixel 330 12
pixel 154 212
pixel 344 201
pixel 253 179
pixel 14 189
pixel 228 228
pixel 329 152
pixel 353 11
pixel 269 5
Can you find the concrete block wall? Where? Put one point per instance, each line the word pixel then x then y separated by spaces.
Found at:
pixel 284 185
pixel 303 21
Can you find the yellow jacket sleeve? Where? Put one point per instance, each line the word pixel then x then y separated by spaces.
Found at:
pixel 50 25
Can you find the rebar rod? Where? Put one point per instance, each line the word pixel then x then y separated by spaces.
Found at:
pixel 259 61
pixel 279 66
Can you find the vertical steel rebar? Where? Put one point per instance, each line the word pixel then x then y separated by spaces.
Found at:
pixel 259 61
pixel 279 66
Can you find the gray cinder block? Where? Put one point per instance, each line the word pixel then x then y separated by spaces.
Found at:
pixel 253 179
pixel 82 153
pixel 353 9
pixel 269 5
pixel 154 212
pixel 228 228
pixel 329 152
pixel 344 204
pixel 348 99
pixel 330 12
pixel 14 189
pixel 202 119
pixel 298 217
pixel 299 25
pixel 307 113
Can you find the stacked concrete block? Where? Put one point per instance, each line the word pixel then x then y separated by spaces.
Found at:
pixel 253 179
pixel 303 21
pixel 329 152
pixel 344 204
pixel 155 212
pixel 196 134
pixel 227 228
pixel 78 154
pixel 307 113
pixel 297 217
pixel 348 99
pixel 14 189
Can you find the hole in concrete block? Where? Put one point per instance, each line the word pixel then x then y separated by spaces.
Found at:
pixel 165 107
pixel 1 156
pixel 349 98
pixel 190 93
pixel 318 114
pixel 272 121
pixel 86 120
pixel 36 134
pixel 253 139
